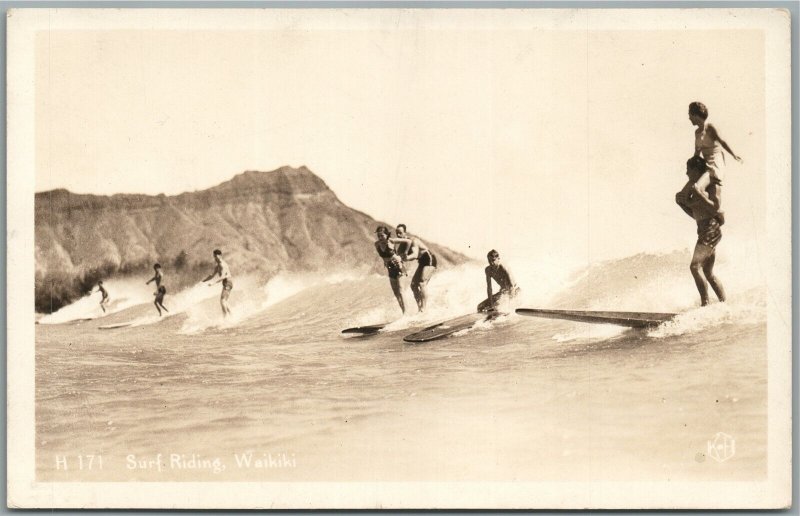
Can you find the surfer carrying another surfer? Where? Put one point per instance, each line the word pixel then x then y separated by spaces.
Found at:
pixel 224 273
pixel 393 262
pixel 500 273
pixel 161 290
pixel 706 214
pixel 426 264
pixel 104 292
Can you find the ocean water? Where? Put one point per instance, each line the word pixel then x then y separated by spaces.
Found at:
pixel 276 392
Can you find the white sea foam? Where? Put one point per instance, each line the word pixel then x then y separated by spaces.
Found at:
pixel 746 308
pixel 663 283
pixel 178 303
pixel 123 293
pixel 590 332
pixel 250 298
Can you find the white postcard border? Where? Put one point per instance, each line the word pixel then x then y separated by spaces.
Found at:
pixel 24 491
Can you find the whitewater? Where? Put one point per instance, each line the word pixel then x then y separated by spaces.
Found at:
pixel 276 392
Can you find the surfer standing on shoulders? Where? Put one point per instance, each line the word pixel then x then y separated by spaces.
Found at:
pixel 102 290
pixel 426 264
pixel 394 264
pixel 705 213
pixel 709 145
pixel 224 273
pixel 500 273
pixel 161 290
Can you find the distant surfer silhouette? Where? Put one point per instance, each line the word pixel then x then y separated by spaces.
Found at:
pixel 104 292
pixel 224 273
pixel 708 144
pixel 426 264
pixel 706 214
pixel 393 262
pixel 161 290
pixel 502 275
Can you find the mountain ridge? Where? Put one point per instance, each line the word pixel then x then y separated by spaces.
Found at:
pixel 287 219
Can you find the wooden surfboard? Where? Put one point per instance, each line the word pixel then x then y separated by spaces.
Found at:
pixel 451 326
pixel 630 319
pixel 366 330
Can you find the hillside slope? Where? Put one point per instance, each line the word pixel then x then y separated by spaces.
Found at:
pixel 264 222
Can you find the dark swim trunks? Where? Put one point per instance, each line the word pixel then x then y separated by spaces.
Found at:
pixel 427 259
pixel 708 232
pixel 396 271
pixel 227 284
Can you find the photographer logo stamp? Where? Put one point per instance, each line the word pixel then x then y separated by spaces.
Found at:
pixel 722 447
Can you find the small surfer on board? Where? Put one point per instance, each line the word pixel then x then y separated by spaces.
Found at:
pixel 706 214
pixel 426 264
pixel 224 273
pixel 498 272
pixel 393 262
pixel 104 292
pixel 161 290
pixel 709 144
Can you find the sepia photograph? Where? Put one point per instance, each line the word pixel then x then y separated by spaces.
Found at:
pixel 399 258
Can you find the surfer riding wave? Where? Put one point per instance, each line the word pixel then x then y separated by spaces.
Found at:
pixel 502 275
pixel 393 263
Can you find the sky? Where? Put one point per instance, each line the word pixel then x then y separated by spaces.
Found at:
pixel 542 135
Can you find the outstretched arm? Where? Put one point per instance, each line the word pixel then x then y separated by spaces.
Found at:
pixel 398 240
pixel 724 144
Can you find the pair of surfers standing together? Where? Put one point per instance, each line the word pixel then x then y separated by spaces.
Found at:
pixel 395 251
pixel 700 198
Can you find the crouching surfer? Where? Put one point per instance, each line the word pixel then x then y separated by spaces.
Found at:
pixel 502 276
pixel 393 262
